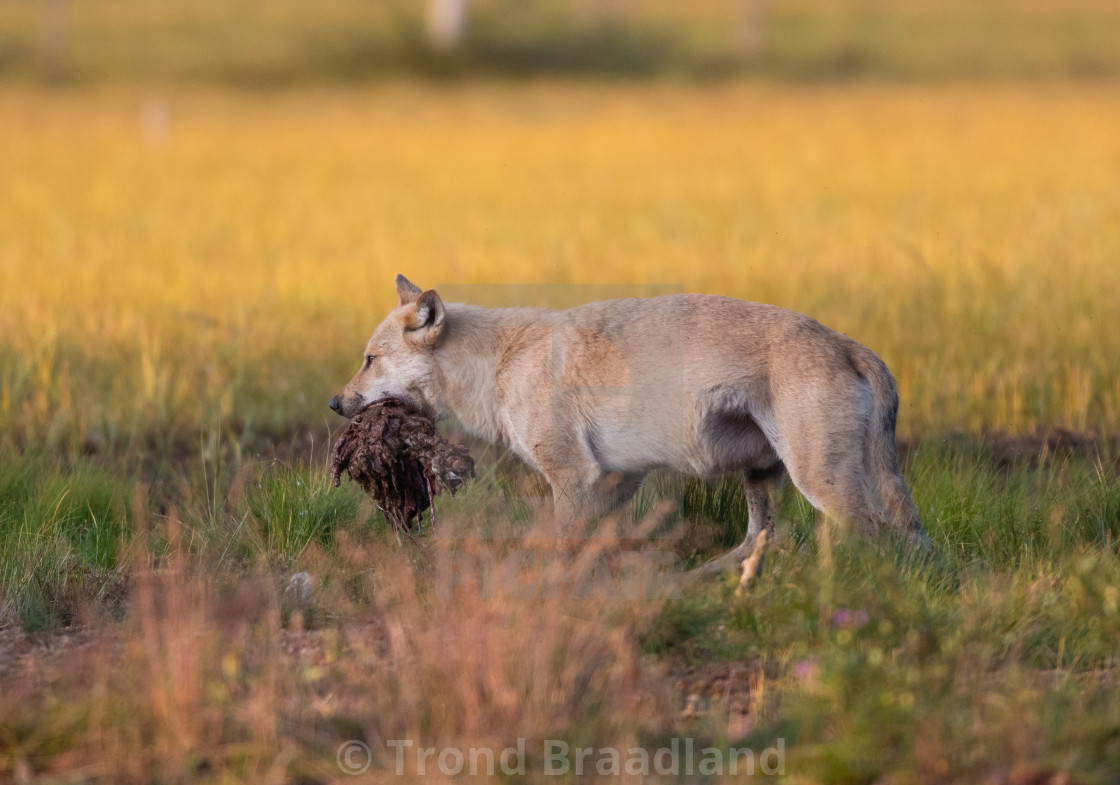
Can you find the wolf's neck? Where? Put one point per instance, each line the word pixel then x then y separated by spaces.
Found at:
pixel 466 368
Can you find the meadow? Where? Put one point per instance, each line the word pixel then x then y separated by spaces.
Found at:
pixel 188 273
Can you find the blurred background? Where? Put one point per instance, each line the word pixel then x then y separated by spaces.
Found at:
pixel 203 204
pixel 284 41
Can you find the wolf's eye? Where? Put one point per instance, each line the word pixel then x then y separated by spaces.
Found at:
pixel 369 359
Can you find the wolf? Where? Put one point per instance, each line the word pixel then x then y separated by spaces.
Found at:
pixel 597 396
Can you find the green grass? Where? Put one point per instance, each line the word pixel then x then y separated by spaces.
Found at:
pixel 949 668
pixel 295 506
pixel 60 518
pixel 61 534
pixel 1002 645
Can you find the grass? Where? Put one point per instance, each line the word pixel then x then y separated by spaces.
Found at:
pixel 188 274
pixel 60 533
pixel 997 653
pixel 231 268
pixel 296 506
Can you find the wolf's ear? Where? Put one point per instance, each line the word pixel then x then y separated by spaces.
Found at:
pixel 425 323
pixel 407 290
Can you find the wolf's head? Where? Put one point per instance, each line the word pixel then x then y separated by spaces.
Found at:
pixel 398 361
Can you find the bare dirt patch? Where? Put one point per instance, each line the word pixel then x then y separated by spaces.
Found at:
pixel 1035 448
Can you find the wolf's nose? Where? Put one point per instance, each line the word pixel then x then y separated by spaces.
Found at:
pixel 334 404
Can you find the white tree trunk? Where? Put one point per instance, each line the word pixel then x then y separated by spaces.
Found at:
pixel 445 23
pixel 750 27
pixel 53 35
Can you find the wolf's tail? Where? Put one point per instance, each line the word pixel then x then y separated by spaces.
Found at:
pixel 880 452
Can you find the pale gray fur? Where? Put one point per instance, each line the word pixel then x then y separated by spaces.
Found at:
pixel 595 397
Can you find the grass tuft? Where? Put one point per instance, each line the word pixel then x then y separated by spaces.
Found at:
pixel 62 529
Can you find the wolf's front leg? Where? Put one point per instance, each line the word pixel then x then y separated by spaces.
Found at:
pixel 572 502
pixel 593 493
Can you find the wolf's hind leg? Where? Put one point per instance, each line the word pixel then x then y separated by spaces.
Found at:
pixel 614 490
pixel 761 491
pixel 900 514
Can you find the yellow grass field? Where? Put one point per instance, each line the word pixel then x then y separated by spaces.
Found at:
pixel 166 258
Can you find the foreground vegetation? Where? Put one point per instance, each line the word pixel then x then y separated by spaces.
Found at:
pixel 187 276
pixel 246 638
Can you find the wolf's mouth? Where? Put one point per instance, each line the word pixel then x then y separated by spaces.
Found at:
pixel 415 401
